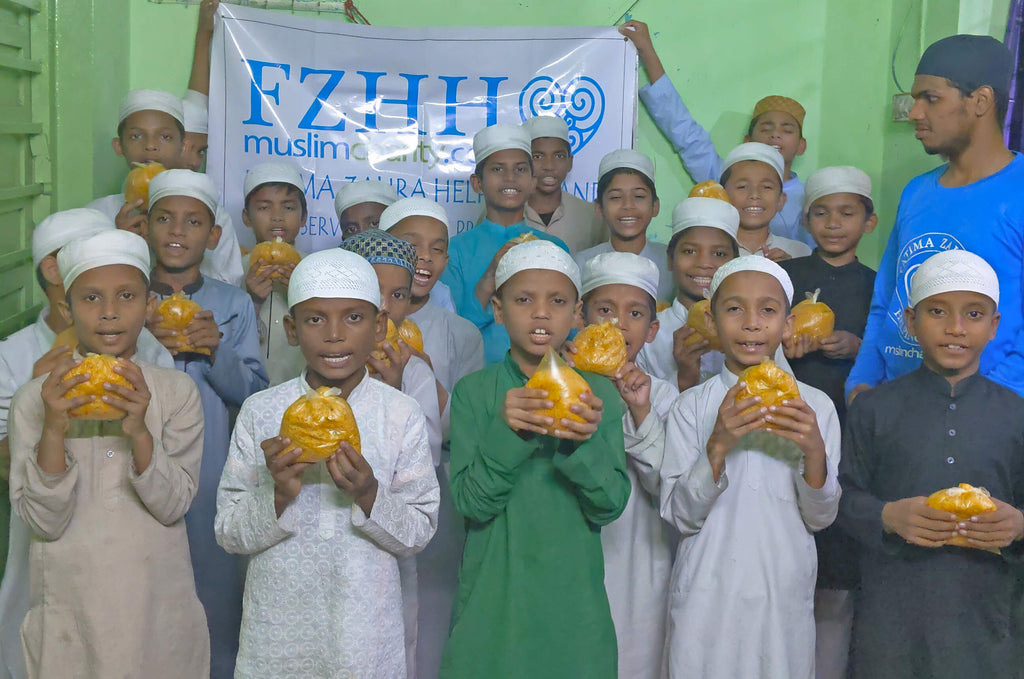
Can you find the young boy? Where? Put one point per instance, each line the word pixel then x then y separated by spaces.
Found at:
pixel 550 208
pixel 531 599
pixel 455 349
pixel 151 128
pixel 112 592
pixel 26 354
pixel 703 239
pixel 742 585
pixel 322 592
pixel 776 121
pixel 926 609
pixel 623 287
pixel 752 176
pixel 504 175
pixel 360 204
pixel 275 207
pixel 626 202
pixel 839 212
pixel 181 210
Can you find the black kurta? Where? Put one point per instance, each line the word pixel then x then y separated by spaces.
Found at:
pixel 946 612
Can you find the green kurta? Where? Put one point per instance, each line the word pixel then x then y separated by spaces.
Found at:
pixel 531 601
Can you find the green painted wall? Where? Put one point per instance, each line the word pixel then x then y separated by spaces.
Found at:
pixel 832 55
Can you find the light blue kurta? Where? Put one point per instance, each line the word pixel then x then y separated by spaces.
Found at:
pixel 469 255
pixel 235 374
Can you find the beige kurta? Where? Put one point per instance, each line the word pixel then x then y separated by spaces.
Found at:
pixel 574 221
pixel 112 593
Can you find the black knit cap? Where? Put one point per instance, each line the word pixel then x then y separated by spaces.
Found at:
pixel 970 61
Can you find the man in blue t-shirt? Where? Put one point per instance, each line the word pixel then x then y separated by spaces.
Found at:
pixel 973 202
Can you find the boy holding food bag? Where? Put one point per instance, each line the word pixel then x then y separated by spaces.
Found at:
pixel 929 604
pixel 322 594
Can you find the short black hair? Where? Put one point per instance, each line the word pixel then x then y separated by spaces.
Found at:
pixel 177 124
pixel 607 177
pixel 291 188
pixel 1002 97
pixel 651 303
pixel 676 237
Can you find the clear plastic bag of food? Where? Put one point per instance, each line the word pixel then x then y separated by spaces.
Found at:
pixel 100 368
pixel 564 386
pixel 178 312
pixel 813 319
pixel 601 349
pixel 965 501
pixel 317 422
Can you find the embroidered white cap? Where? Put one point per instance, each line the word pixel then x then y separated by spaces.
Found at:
pixel 838 179
pixel 150 100
pixel 195 107
pixel 412 207
pixel 537 254
pixel 626 268
pixel 105 248
pixel 711 212
pixel 752 263
pixel 547 126
pixel 184 183
pixel 500 137
pixel 754 150
pixel 953 271
pixel 371 191
pixel 626 158
pixel 60 228
pixel 272 171
pixel 333 274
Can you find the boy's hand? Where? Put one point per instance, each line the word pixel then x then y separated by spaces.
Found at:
pixel 56 405
pixel 590 410
pixel 569 352
pixel 419 354
pixel 840 344
pixel 520 410
pixel 132 217
pixel 798 346
pixel 207 10
pixel 135 402
pixel 732 424
pixel 353 476
pixel 994 529
pixel 913 520
pixel 796 421
pixel 285 271
pixel 776 254
pixel 48 361
pixel 634 386
pixel 203 332
pixel 286 472
pixel 484 287
pixel 391 374
pixel 638 34
pixel 258 282
pixel 687 356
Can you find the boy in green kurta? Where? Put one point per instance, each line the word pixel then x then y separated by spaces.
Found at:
pixel 531 601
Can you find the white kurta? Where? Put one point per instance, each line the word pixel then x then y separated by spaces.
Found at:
pixel 223 263
pixel 18 355
pixel 637 545
pixel 793 248
pixel 322 593
pixel 742 591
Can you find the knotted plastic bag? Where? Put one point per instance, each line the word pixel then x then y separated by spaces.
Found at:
pixel 601 349
pixel 275 253
pixel 391 338
pixel 317 422
pixel 767 380
pixel 136 185
pixel 564 386
pixel 698 320
pixel 178 312
pixel 965 501
pixel 813 319
pixel 709 189
pixel 101 369
pixel 523 238
pixel 410 333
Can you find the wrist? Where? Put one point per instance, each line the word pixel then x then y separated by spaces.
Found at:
pixel 886 518
pixel 639 413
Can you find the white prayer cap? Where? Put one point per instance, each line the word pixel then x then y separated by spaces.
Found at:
pixel 499 138
pixel 839 179
pixel 537 254
pixel 627 158
pixel 412 207
pixel 272 171
pixel 372 191
pixel 711 212
pixel 547 126
pixel 752 263
pixel 626 268
pixel 106 248
pixel 333 274
pixel 61 228
pixel 755 150
pixel 953 271
pixel 150 100
pixel 195 107
pixel 183 183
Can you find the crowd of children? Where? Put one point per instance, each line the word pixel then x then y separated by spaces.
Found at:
pixel 669 524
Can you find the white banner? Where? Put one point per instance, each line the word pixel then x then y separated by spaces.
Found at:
pixel 348 102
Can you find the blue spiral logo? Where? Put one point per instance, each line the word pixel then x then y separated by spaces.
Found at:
pixel 580 102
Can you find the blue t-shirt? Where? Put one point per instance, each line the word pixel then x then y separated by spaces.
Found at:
pixel 986 218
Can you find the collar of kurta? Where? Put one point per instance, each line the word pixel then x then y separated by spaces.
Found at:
pixel 356 391
pixel 936 383
pixel 498 229
pixel 513 367
pixel 162 289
